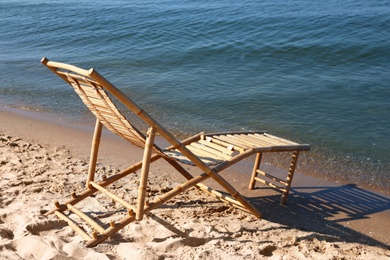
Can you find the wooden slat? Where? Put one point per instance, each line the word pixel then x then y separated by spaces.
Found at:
pixel 231 141
pixel 98 108
pixel 86 218
pixel 112 118
pixel 111 128
pixel 177 155
pixel 265 141
pixel 270 184
pixel 270 140
pixel 85 94
pixel 226 144
pixel 98 102
pixel 118 126
pixel 242 139
pixel 272 177
pixel 276 141
pixel 103 96
pixel 217 153
pixel 218 147
pixel 198 150
pixel 104 110
pixel 108 105
pixel 119 130
pixel 73 225
pixel 257 141
pixel 282 148
pixel 281 139
pixel 250 141
pixel 204 155
pixel 87 85
pixel 122 128
pixel 130 136
pixel 71 75
pixel 115 122
pixel 84 86
pixel 90 91
pixel 236 132
pixel 116 118
pixel 110 111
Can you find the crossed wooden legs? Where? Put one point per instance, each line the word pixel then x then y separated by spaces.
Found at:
pixel 143 206
pixel 99 233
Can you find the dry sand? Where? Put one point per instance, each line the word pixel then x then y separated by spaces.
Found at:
pixel 42 161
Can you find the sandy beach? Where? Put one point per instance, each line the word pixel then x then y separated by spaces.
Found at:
pixel 45 159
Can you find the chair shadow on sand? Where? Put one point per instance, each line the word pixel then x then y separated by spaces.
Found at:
pixel 322 211
pixel 325 209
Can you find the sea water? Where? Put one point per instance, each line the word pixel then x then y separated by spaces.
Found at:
pixel 316 72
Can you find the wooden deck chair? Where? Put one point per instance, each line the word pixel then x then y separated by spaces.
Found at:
pixel 211 153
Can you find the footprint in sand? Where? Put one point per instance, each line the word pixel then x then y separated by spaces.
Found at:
pixel 5 233
pixel 267 250
pixel 37 228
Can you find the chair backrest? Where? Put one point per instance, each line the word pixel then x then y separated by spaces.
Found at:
pixel 93 88
pixel 93 94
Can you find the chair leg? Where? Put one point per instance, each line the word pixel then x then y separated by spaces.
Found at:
pixel 234 193
pixel 145 172
pixel 290 175
pixel 205 188
pixel 94 152
pixel 256 166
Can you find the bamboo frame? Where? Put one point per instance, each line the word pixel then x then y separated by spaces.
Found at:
pixel 211 153
pixel 73 225
pixel 113 196
pixel 254 172
pixel 145 173
pixel 290 175
pixel 94 152
pixel 87 219
pixel 285 189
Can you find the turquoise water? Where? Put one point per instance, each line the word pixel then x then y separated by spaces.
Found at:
pixel 313 71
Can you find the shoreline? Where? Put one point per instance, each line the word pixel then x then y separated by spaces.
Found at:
pixel 309 164
pixel 315 163
pixel 336 211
